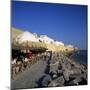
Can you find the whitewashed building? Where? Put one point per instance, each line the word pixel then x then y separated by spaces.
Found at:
pixel 59 43
pixel 26 36
pixel 71 46
pixel 46 39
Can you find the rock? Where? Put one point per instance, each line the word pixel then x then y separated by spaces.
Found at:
pixel 84 76
pixel 53 61
pixel 74 82
pixel 54 76
pixel 72 72
pixel 60 72
pixel 54 67
pixel 46 80
pixel 83 82
pixel 57 82
pixel 52 84
pixel 76 71
pixel 80 78
pixel 66 75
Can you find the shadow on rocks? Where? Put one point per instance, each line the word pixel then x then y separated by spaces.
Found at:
pixel 47 69
pixel 39 82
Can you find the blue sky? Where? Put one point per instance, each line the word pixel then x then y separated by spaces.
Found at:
pixel 67 23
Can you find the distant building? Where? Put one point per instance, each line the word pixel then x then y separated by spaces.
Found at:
pixel 59 43
pixel 71 46
pixel 26 36
pixel 46 39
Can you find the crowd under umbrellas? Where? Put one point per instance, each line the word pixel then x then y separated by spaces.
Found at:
pixel 23 59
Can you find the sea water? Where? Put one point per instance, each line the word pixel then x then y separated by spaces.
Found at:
pixel 80 56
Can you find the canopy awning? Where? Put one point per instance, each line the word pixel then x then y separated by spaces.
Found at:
pixel 34 48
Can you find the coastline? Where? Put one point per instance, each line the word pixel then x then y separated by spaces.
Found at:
pixel 59 70
pixel 80 56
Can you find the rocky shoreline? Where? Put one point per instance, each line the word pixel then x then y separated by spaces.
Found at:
pixel 62 71
pixel 52 70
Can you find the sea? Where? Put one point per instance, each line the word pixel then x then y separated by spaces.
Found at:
pixel 80 56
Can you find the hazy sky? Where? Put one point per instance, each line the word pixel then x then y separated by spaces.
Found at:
pixel 67 23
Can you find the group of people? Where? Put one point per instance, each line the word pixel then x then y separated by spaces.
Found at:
pixel 19 61
pixel 22 60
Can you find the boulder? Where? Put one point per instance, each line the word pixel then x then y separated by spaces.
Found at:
pixel 46 80
pixel 54 67
pixel 66 75
pixel 57 82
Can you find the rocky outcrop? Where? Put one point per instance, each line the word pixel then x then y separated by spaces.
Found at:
pixel 57 82
pixel 66 72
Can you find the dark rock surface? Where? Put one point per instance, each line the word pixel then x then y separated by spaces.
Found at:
pixel 72 72
pixel 57 82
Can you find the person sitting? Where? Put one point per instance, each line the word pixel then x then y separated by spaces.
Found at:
pixel 25 62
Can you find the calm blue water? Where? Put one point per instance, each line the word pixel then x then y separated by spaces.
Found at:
pixel 80 56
